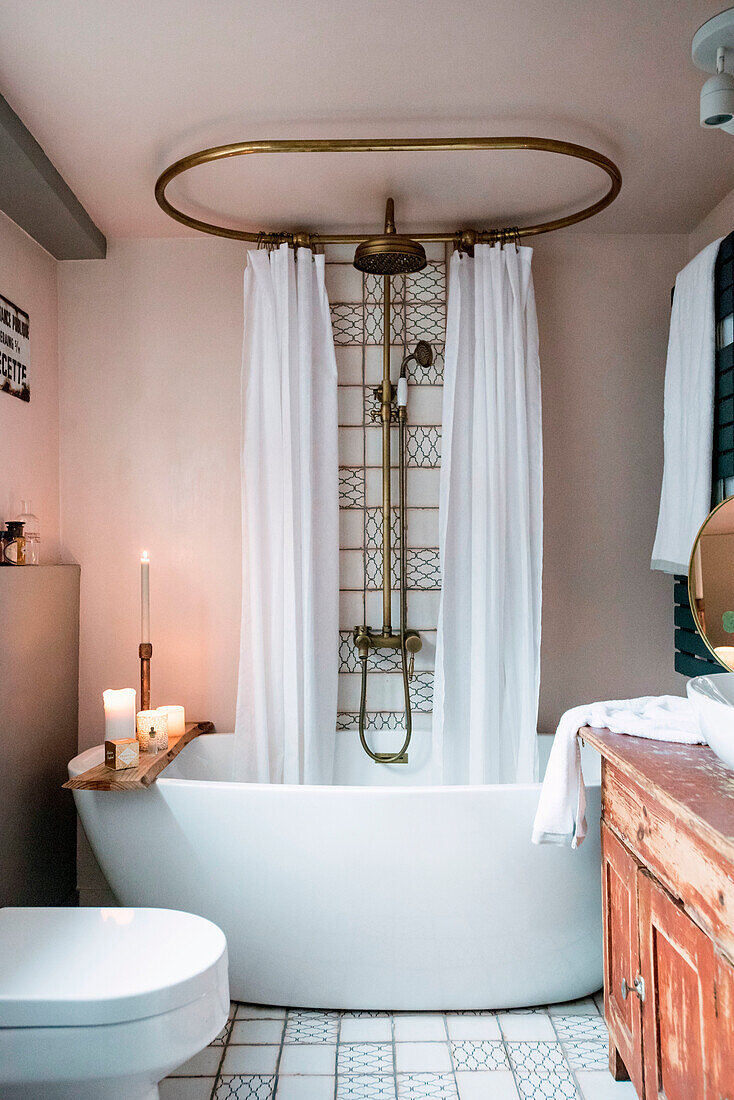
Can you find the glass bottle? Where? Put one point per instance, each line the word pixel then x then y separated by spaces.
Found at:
pixel 31 533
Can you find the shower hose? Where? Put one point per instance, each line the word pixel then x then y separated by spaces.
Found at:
pixel 394 758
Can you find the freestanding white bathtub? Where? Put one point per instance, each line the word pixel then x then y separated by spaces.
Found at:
pixel 359 897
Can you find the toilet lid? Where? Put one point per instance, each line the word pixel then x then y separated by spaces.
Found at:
pixel 76 967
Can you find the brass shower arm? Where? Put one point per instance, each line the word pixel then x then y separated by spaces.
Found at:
pixel 464 239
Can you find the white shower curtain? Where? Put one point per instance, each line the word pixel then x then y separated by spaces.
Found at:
pixel 286 703
pixel 490 525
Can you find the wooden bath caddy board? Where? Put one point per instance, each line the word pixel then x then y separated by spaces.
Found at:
pixel 102 778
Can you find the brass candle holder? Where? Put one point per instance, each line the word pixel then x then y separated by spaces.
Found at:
pixel 145 651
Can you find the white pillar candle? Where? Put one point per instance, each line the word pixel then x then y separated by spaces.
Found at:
pixel 152 724
pixel 119 713
pixel 176 720
pixel 144 597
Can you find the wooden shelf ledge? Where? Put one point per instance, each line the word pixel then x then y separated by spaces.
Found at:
pixel 102 778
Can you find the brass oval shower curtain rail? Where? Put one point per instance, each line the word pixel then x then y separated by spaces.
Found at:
pixel 461 238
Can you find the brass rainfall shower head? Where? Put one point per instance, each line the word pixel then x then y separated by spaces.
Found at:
pixel 390 254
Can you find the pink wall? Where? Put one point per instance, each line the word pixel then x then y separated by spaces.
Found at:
pixel 150 353
pixel 30 431
pixel 150 341
pixel 603 311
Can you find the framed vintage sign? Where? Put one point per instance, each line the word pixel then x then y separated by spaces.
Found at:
pixel 14 350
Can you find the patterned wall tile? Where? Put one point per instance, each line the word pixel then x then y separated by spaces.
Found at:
pixel 428 285
pixel 421 692
pixel 423 446
pixel 351 487
pixel 373 527
pixel 425 321
pixel 373 325
pixel 346 323
pixel 423 574
pixel 376 720
pixel 374 285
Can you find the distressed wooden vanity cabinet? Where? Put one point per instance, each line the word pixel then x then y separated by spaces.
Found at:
pixel 668 899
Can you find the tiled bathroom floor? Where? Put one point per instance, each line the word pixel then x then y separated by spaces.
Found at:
pixel 292 1054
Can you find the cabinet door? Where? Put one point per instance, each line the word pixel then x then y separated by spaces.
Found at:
pixel 621 959
pixel 680 1025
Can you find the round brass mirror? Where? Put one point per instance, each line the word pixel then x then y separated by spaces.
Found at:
pixel 711 582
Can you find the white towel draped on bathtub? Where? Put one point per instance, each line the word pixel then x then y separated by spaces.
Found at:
pixel 561 814
pixel 688 421
pixel 490 525
pixel 289 646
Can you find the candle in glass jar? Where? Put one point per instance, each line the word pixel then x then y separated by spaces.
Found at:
pixel 119 713
pixel 152 725
pixel 144 597
pixel 176 720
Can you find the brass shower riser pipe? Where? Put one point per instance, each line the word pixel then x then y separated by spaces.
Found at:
pixel 386 417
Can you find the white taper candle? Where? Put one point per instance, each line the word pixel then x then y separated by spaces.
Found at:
pixel 144 597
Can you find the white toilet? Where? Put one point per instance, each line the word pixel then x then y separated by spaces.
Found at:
pixel 101 1004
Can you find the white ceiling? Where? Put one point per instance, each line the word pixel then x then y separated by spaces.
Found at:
pixel 115 90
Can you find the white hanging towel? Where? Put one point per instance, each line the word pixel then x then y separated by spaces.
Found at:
pixel 561 813
pixel 685 497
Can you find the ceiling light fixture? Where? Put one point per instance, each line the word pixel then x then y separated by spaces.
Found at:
pixel 709 48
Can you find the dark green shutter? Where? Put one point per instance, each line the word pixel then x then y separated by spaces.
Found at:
pixel 691 655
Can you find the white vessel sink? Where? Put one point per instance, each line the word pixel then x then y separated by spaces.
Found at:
pixel 712 698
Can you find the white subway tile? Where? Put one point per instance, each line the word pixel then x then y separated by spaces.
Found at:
pixel 351 409
pixel 349 365
pixel 351 570
pixel 351 528
pixel 425 404
pixel 343 282
pixel 351 446
pixel 422 527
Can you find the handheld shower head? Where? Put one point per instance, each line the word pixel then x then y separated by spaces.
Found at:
pixel 422 353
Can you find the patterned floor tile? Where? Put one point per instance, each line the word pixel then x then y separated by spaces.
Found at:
pixel 245 1088
pixel 541 1071
pixel 365 1087
pixel 363 1013
pixel 586 1054
pixel 357 1058
pixel 303 1026
pixel 482 1054
pixel 536 1056
pixel 579 1028
pixel 547 1086
pixel 426 1086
